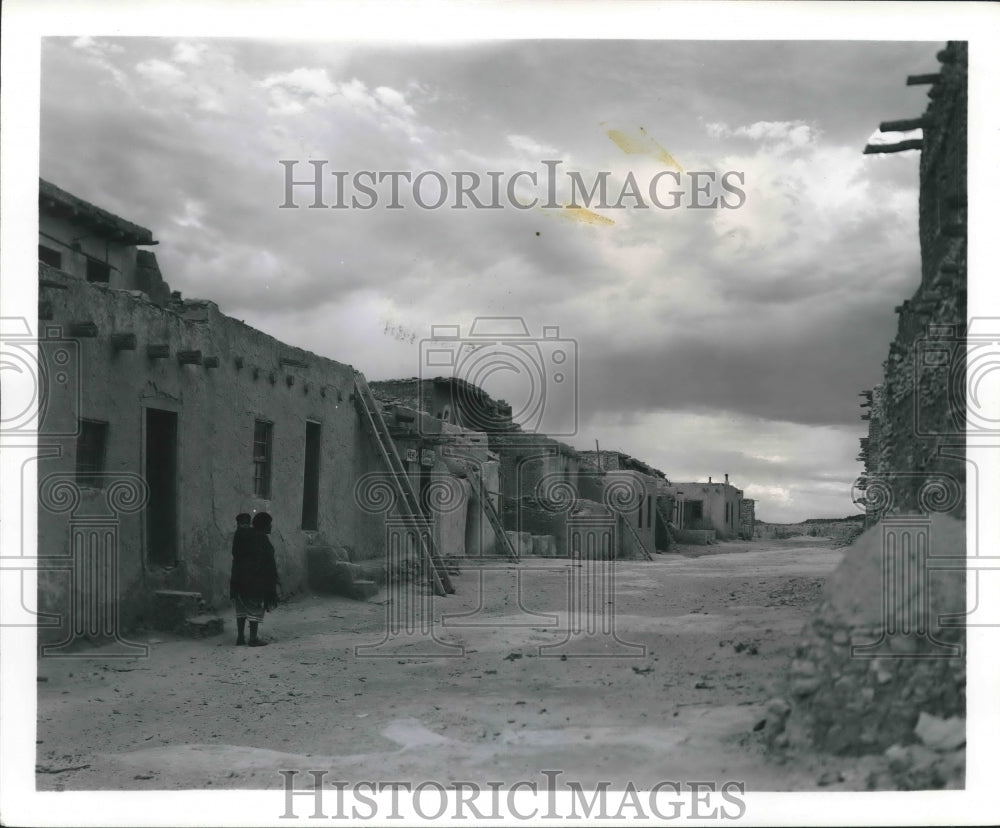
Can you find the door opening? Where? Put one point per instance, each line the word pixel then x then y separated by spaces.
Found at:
pixel 161 477
pixel 310 482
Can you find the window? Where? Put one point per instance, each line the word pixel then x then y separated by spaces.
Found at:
pixel 98 271
pixel 49 256
pixel 262 434
pixel 310 483
pixel 90 446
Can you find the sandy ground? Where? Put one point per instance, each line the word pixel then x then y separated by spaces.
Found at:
pixel 700 643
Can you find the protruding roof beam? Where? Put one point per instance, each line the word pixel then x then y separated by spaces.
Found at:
pixel 902 146
pixel 904 125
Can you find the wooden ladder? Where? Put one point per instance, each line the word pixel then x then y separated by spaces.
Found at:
pixel 661 513
pixel 635 535
pixel 371 417
pixel 493 516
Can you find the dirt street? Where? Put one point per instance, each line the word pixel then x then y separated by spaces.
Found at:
pixel 701 644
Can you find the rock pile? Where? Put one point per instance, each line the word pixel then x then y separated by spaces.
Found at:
pixel 879 669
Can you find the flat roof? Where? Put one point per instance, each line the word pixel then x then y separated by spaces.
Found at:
pixel 57 202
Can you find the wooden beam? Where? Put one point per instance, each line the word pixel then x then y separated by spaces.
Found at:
pixel 922 80
pixel 189 357
pixel 123 341
pixel 84 330
pixel 48 283
pixel 158 351
pixel 902 146
pixel 903 125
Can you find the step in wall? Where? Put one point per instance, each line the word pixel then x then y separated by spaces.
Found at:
pixel 184 613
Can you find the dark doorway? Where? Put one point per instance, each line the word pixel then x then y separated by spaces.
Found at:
pixel 692 513
pixel 310 483
pixel 161 477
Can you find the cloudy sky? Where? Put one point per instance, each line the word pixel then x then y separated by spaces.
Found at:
pixel 706 341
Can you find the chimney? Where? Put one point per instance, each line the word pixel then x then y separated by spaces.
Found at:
pixel 727 478
pixel 709 479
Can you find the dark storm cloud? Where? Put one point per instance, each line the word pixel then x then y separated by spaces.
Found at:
pixel 812 379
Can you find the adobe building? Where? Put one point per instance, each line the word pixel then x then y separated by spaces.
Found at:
pixel 162 418
pixel 452 470
pixel 78 238
pixel 544 486
pixel 709 507
pixel 450 399
pixel 648 519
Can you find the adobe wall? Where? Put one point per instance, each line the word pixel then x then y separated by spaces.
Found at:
pixel 60 234
pixel 622 489
pixel 256 377
pixel 714 497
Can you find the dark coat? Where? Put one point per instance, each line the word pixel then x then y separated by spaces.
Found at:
pixel 255 571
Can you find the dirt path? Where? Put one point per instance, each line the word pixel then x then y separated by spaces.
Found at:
pixel 701 642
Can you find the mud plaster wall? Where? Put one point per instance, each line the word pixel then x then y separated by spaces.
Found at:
pixel 459 454
pixel 641 490
pixel 216 409
pixel 714 497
